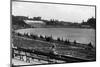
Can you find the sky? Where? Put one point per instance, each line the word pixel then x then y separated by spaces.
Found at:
pixel 70 13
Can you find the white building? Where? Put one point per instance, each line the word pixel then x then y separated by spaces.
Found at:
pixel 35 23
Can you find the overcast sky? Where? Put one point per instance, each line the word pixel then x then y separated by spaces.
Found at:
pixel 71 13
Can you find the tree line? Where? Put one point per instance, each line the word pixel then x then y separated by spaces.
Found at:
pixel 90 22
pixel 51 39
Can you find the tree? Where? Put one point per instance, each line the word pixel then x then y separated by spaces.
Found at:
pixel 92 22
pixel 75 42
pixel 19 34
pixel 41 37
pixel 90 45
pixel 37 18
pixel 66 41
pixel 49 39
pixel 34 36
pixel 58 39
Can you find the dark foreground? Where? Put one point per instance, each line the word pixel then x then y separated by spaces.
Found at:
pixel 43 50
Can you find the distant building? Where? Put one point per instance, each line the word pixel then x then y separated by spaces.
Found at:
pixel 35 23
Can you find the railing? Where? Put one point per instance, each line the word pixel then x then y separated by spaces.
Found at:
pixel 48 57
pixel 30 54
